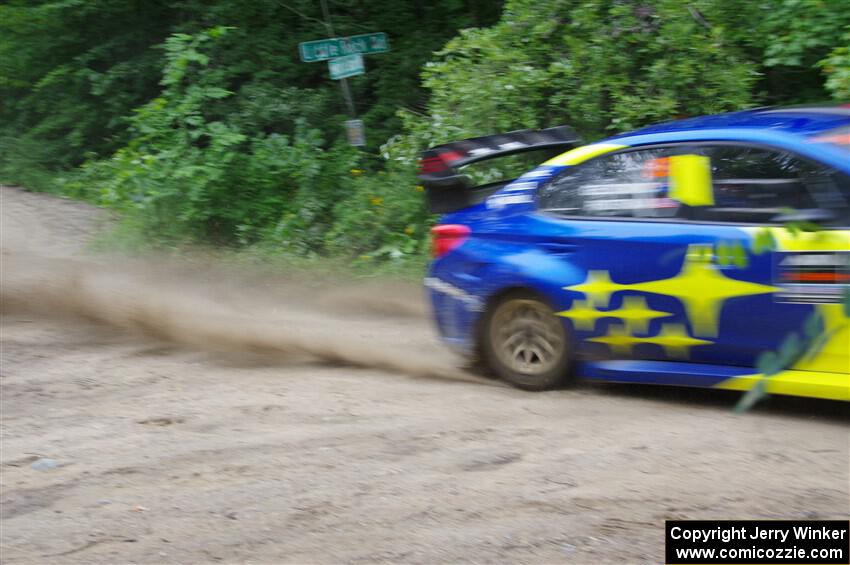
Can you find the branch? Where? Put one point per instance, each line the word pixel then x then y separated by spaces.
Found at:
pixel 695 14
pixel 305 16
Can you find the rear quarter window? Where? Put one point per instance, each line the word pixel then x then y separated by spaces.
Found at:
pixel 624 184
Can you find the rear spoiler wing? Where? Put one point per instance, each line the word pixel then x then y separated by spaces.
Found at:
pixel 448 190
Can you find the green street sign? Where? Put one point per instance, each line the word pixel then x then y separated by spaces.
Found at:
pixel 324 49
pixel 320 50
pixel 346 66
pixel 365 44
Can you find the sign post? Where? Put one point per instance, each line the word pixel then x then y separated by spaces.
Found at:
pixel 344 57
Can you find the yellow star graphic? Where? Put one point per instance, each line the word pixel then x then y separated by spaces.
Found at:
pixel 703 289
pixel 637 314
pixel 582 316
pixel 598 288
pixel 618 340
pixel 673 338
pixel 700 286
pixel 634 312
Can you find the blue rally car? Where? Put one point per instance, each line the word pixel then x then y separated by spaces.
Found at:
pixel 668 255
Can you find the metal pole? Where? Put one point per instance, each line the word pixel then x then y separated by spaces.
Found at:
pixel 349 101
pixel 343 83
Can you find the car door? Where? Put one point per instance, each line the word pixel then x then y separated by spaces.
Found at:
pixel 761 191
pixel 667 270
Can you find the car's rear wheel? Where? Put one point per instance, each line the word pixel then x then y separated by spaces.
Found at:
pixel 526 344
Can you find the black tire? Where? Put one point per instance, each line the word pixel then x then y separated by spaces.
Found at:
pixel 525 343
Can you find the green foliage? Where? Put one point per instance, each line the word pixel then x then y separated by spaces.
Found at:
pixel 731 253
pixel 600 66
pixel 188 174
pixel 70 72
pixel 845 300
pixel 796 43
pixel 836 67
pixel 382 216
pixel 763 242
pixel 198 121
pixel 799 33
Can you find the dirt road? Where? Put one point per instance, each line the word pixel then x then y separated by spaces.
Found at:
pixel 162 413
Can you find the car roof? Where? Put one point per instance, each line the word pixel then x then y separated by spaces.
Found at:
pixel 804 121
pixel 791 129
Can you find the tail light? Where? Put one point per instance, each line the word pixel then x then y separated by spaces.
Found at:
pixel 446 237
pixel 433 163
pixel 829 277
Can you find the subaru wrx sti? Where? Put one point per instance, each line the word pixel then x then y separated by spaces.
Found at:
pixel 679 254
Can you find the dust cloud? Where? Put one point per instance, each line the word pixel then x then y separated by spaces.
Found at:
pixel 228 310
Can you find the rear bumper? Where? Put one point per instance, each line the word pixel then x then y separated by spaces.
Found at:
pixel 456 313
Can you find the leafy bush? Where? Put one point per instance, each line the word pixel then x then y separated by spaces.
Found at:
pixel 183 168
pixel 836 66
pixel 600 67
pixel 383 216
pixel 233 141
pixel 189 175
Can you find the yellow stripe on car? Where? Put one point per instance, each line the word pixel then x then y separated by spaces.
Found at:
pixel 581 154
pixel 822 240
pixel 831 386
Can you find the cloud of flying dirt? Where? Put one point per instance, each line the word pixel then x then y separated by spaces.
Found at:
pixel 372 325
